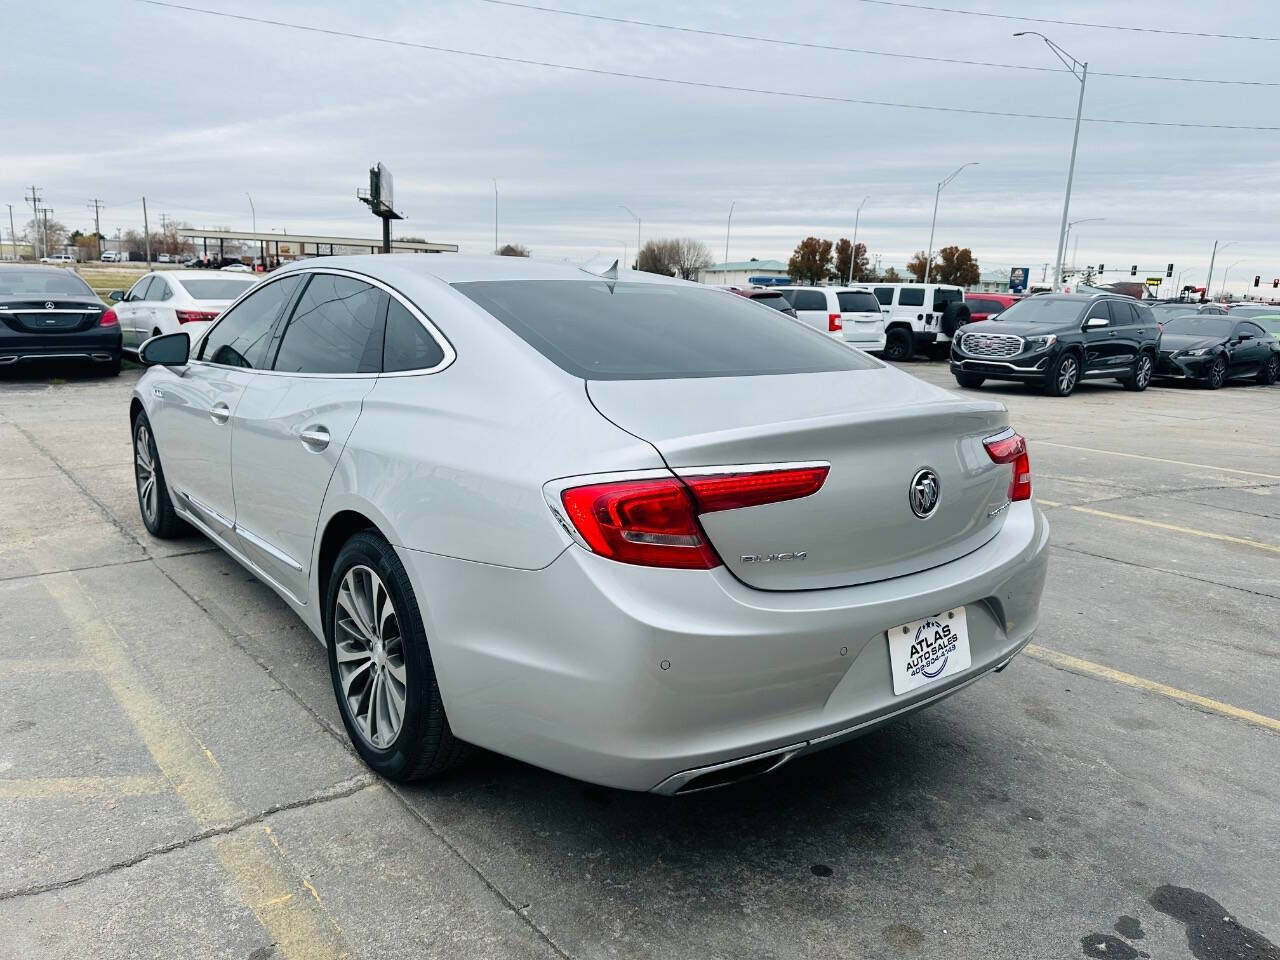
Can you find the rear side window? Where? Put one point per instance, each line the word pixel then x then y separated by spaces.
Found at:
pixel 408 346
pixel 240 338
pixel 335 328
pixel 911 297
pixel 648 331
pixel 854 301
pixel 885 296
pixel 1144 313
pixel 809 300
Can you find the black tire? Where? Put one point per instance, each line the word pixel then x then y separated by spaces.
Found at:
pixel 1140 378
pixel 424 745
pixel 1270 371
pixel 112 368
pixel 970 381
pixel 955 314
pixel 1217 375
pixel 158 515
pixel 1063 376
pixel 899 345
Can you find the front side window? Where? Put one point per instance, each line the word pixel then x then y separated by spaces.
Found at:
pixel 335 328
pixel 911 297
pixel 139 291
pixel 597 330
pixel 241 336
pixel 1098 311
pixel 408 345
pixel 1250 330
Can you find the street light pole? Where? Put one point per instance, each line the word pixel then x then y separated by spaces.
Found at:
pixel 1208 283
pixel 637 220
pixel 1223 291
pixel 727 227
pixel 1073 223
pixel 253 214
pixel 495 214
pixel 928 264
pixel 856 217
pixel 1081 72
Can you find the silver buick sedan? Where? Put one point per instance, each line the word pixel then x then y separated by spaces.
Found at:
pixel 620 526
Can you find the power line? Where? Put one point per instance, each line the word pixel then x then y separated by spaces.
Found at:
pixel 1066 23
pixel 701 84
pixel 810 45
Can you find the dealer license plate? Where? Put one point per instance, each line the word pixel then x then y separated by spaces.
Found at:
pixel 928 650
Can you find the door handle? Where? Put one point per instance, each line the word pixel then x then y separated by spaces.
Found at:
pixel 1111 333
pixel 315 438
pixel 219 412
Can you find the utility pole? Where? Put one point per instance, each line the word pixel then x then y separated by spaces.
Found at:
pixel 45 211
pixel 13 236
pixel 34 200
pixel 146 232
pixel 1080 71
pixel 495 215
pixel 97 228
pixel 853 262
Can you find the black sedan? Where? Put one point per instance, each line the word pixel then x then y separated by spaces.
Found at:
pixel 49 313
pixel 1211 350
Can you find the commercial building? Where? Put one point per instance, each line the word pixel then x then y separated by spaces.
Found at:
pixel 746 273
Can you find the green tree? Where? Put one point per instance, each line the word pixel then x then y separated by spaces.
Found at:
pixel 891 276
pixel 811 261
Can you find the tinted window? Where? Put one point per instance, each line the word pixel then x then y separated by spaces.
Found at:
pixel 335 328
pixel 215 288
pixel 159 290
pixel 854 301
pixel 775 300
pixel 1200 325
pixel 241 336
pixel 1121 315
pixel 810 300
pixel 139 291
pixel 1099 310
pixel 942 297
pixel 911 297
pixel 1144 313
pixel 1045 310
pixel 37 283
pixel 1250 329
pixel 648 331
pixel 408 346
pixel 885 296
pixel 977 305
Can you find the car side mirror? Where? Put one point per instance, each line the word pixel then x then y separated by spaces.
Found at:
pixel 1097 322
pixel 1245 336
pixel 167 350
pixel 115 296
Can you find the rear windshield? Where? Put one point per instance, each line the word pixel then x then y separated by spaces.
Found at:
pixel 853 301
pixel 1045 310
pixel 1201 325
pixel 14 281
pixel 775 300
pixel 941 297
pixel 215 288
pixel 647 331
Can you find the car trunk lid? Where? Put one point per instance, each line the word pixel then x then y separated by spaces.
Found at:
pixel 51 315
pixel 878 429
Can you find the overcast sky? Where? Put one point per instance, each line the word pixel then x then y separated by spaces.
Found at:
pixel 117 98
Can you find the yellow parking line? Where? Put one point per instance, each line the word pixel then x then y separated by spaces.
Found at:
pixel 1173 528
pixel 1076 665
pixel 1141 456
pixel 80 787
pixel 300 927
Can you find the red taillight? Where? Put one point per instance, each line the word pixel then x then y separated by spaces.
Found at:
pixel 1012 448
pixel 187 316
pixel 655 522
pixel 109 319
pixel 834 322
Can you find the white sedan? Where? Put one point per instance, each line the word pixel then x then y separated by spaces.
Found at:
pixel 174 300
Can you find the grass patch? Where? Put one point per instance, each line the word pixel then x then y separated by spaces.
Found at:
pixel 103 281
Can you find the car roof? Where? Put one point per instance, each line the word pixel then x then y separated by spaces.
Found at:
pixel 466 268
pixel 33 266
pixel 186 274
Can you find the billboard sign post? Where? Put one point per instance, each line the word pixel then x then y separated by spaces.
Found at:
pixel 1018 280
pixel 380 198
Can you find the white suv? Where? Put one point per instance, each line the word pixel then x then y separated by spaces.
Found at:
pixel 58 258
pixel 919 315
pixel 848 314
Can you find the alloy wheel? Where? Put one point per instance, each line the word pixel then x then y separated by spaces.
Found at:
pixel 1066 375
pixel 144 468
pixel 1217 373
pixel 1143 376
pixel 369 649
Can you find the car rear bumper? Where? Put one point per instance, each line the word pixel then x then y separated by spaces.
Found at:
pixel 642 678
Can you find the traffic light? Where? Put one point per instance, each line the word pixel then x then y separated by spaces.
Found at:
pixel 1275 283
pixel 1257 278
pixel 1133 271
pixel 1102 268
pixel 1169 271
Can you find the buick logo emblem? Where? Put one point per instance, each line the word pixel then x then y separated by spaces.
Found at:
pixel 48 304
pixel 923 493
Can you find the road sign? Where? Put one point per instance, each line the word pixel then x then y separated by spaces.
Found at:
pixel 1018 280
pixel 1154 281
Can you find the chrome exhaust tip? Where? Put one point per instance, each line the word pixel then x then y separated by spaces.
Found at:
pixel 725 774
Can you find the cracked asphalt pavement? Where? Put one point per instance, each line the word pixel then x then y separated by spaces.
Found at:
pixel 175 781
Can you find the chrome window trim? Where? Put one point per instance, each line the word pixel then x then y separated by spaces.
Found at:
pixel 266 547
pixel 432 330
pixel 41 311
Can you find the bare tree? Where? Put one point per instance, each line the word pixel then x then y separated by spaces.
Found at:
pixel 692 257
pixel 514 250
